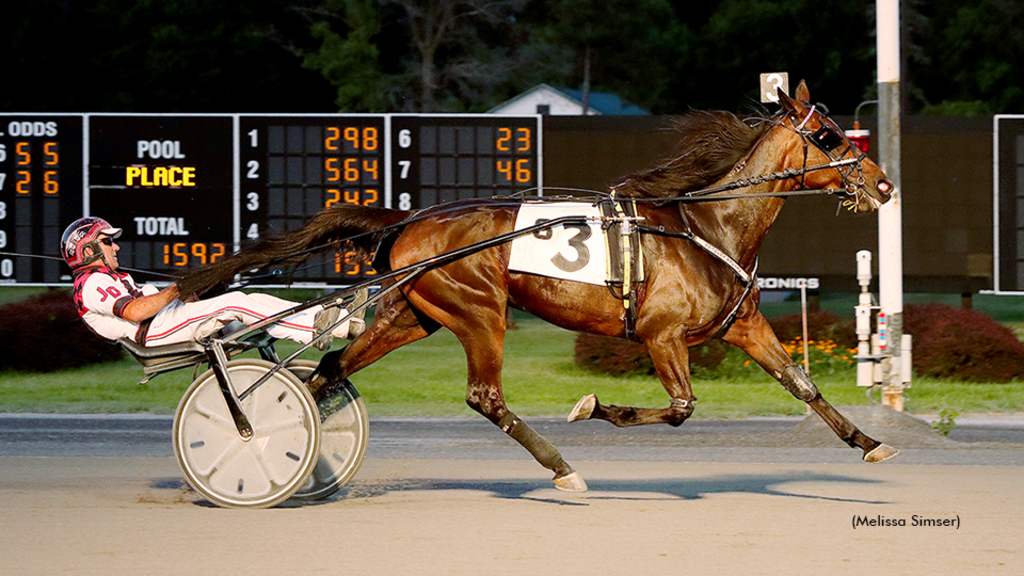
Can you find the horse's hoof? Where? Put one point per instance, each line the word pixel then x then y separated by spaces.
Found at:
pixel 584 408
pixel 570 483
pixel 880 454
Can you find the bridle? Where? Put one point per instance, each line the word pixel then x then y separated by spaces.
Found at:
pixel 828 138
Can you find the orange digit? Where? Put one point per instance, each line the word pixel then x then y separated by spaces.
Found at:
pixel 351 170
pixel 220 248
pixel 523 174
pixel 370 138
pixel 24 179
pixel 371 197
pixel 52 157
pixel 24 157
pixel 505 167
pixel 352 197
pixel 352 135
pixel 335 197
pixel 524 138
pixel 199 251
pixel 50 183
pixel 504 139
pixel 333 173
pixel 371 167
pixel 178 252
pixel 331 142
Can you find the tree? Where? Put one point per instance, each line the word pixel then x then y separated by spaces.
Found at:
pixel 977 54
pixel 625 46
pixel 350 60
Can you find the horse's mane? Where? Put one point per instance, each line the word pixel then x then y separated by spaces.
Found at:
pixel 711 143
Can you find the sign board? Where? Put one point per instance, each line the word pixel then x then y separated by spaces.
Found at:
pixel 771 83
pixel 190 188
pixel 1008 200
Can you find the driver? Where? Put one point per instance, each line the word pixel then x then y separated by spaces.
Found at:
pixel 114 306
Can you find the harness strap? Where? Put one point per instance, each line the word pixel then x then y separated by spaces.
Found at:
pixel 625 255
pixel 748 279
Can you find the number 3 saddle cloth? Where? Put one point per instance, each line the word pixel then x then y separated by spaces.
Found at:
pixel 601 246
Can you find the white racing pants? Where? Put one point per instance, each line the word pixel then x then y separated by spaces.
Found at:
pixel 188 321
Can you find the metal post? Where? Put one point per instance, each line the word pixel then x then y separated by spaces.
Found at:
pixel 890 227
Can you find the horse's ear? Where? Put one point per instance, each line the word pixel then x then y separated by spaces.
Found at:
pixel 785 101
pixel 802 94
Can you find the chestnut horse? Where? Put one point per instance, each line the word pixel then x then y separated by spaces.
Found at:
pixel 689 295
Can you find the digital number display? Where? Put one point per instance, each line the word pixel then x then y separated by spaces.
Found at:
pixel 295 166
pixel 441 159
pixel 188 189
pixel 168 181
pixel 40 192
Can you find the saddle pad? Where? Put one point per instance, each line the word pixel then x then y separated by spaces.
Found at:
pixel 577 252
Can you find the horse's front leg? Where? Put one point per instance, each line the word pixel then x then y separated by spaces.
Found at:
pixel 672 362
pixel 754 336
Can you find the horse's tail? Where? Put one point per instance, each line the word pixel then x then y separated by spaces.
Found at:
pixel 358 227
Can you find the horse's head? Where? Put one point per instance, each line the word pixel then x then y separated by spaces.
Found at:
pixel 824 142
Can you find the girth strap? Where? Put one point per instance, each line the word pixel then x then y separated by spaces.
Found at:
pixel 625 255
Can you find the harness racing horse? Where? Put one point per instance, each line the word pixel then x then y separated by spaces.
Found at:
pixel 696 254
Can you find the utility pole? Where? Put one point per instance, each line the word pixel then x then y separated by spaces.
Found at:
pixel 890 218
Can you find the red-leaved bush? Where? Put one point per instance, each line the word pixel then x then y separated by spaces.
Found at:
pixel 962 344
pixel 44 333
pixel 610 355
pixel 948 342
pixel 822 325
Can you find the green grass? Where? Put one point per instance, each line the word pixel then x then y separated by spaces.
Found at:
pixel 428 378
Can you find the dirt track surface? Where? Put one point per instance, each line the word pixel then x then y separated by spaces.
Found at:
pixel 446 515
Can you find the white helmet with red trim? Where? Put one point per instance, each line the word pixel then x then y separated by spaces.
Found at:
pixel 82 233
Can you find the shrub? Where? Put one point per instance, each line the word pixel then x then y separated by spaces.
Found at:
pixel 610 355
pixel 962 344
pixel 44 333
pixel 821 326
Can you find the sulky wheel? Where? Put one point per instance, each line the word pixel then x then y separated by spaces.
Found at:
pixel 264 470
pixel 344 430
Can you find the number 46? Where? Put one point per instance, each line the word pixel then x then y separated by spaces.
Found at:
pixel 522 173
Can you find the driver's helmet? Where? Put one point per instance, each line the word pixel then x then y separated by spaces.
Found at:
pixel 81 233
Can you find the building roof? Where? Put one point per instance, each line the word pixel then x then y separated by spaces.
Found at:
pixel 560 101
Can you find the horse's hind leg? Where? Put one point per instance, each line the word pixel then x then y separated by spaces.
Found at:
pixel 395 324
pixel 671 360
pixel 755 337
pixel 480 327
